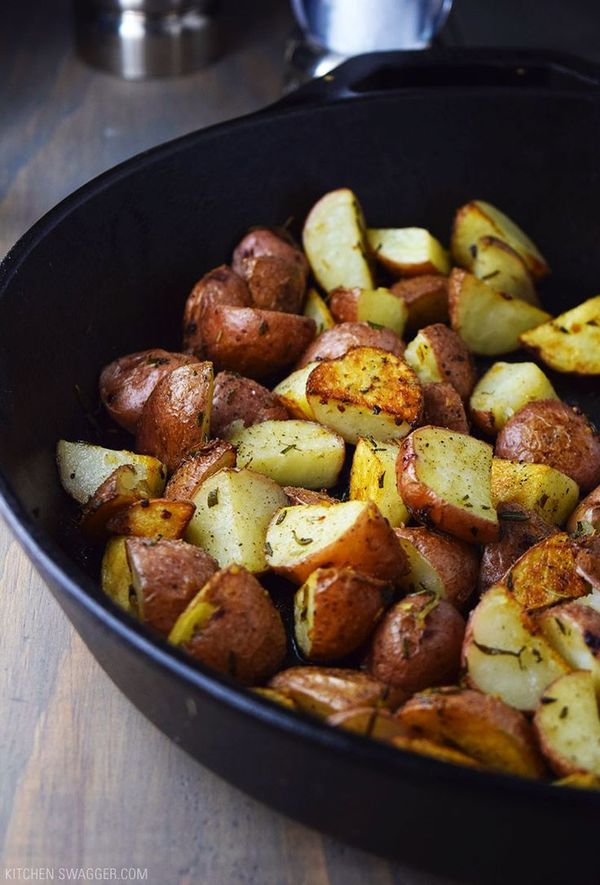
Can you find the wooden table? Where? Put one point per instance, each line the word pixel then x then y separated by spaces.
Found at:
pixel 86 781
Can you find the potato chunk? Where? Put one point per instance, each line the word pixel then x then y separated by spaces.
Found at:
pixel 545 574
pixel 295 453
pixel 520 529
pixel 445 566
pixel 535 487
pixel 115 576
pixel 438 354
pixel 444 480
pixel 197 466
pixel 426 299
pixel 154 517
pixel 323 691
pixel 373 478
pixel 84 467
pixel 367 392
pixel 503 390
pixel 292 392
pixel 568 725
pixel 233 510
pixel 408 251
pixel 489 322
pixel 503 269
pixel 335 242
pixel 316 309
pixel 573 630
pixel 571 342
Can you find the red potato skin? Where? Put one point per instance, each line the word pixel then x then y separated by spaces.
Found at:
pixel 336 342
pixel 587 511
pixel 343 304
pixel 334 688
pixel 453 357
pixel 241 399
pixel 443 407
pixel 197 466
pixel 222 286
pixel 297 495
pixel 263 241
pixel 127 382
pixel 551 432
pixel 275 270
pixel 426 297
pixel 587 559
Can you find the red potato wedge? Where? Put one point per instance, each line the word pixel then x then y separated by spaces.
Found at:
pixel 316 308
pixel 585 518
pixel 115 576
pixel 444 480
pixel 149 518
pixel 587 559
pixel 276 242
pixel 571 342
pixel 241 402
pixel 373 478
pixel 368 721
pixel 334 343
pixel 116 494
pixel 438 354
pixel 350 534
pixel 568 725
pixel 274 269
pixel 426 299
pixel 573 630
pixel 417 644
pixel 537 487
pixel 83 468
pixel 437 563
pixel 176 416
pixel 166 575
pixel 127 382
pixel 232 626
pixel 497 264
pixel 335 611
pixel 408 251
pixel 443 407
pixel 197 466
pixel 324 691
pixel 378 307
pixel 219 286
pixel 503 390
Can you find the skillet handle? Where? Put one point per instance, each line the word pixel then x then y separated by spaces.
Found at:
pixel 448 68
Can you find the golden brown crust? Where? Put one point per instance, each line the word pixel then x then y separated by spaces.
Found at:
pixel 236 398
pixel 335 342
pixel 324 691
pixel 546 574
pixel 370 721
pixel 149 518
pixel 196 466
pixel 426 297
pixel 520 529
pixel 551 432
pixel 221 286
pixel 343 304
pixel 443 407
pixel 115 494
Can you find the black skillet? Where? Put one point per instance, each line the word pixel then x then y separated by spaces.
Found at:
pixel 107 272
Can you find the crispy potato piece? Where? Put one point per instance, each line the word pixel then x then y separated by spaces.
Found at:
pixel 220 286
pixel 297 495
pixel 444 480
pixel 479 219
pixel 417 644
pixel 573 630
pixel 586 516
pixel 291 392
pixel 240 402
pixel 256 343
pixel 350 534
pixel 316 309
pixel 408 251
pixel 373 478
pixel 536 487
pixel 498 265
pixel 568 725
pixel 483 727
pixel 336 342
pixel 233 509
pixel 571 342
pixel 335 242
pixel 445 566
pixel 551 432
pixel 369 721
pixel 276 697
pixel 378 307
pixel 335 611
pixel 425 747
pixel 166 575
pixel 587 559
pixel 438 354
pixel 197 466
pixel 232 626
pixel 367 392
pixel 151 518
pixel 489 322
pixel 127 382
pixel 520 529
pixel 503 390
pixel 176 416
pixel 443 407
pixel 116 494
pixel 83 468
pixel 295 453
pixel 545 574
pixel 324 691
pixel 274 269
pixel 426 299
pixel 504 656
pixel 115 576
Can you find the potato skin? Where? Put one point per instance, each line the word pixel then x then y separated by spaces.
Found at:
pixel 222 286
pixel 241 399
pixel 417 645
pixel 551 432
pixel 176 415
pixel 166 575
pixel 336 342
pixel 587 559
pixel 443 407
pixel 426 297
pixel 456 562
pixel 127 382
pixel 274 269
pixel 297 495
pixel 343 304
pixel 587 511
pixel 324 691
pixel 517 535
pixel 245 637
pixel 196 466
pixel 112 497
pixel 453 358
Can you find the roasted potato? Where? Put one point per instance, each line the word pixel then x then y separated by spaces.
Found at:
pixel 437 563
pixel 298 495
pixel 568 725
pixel 149 518
pixel 545 574
pixel 443 407
pixel 378 307
pixel 536 487
pixel 197 466
pixel 426 299
pixel 166 575
pixel 504 655
pixel 366 392
pixel 350 534
pixel 324 691
pixel 551 432
pixel 573 630
pixel 408 251
pixel 438 354
pixel 444 480
pixel 117 493
pixel 316 308
pixel 336 342
pixel 115 576
pixel 335 242
pixel 240 402
pixel 291 392
pixel 489 322
pixel 176 416
pixel 83 468
pixel 276 697
pixel 295 453
pixel 232 626
pixel 343 304
pixel 373 722
pixel 127 382
pixel 479 219
pixel 373 478
pixel 274 269
pixel 220 286
pixel 482 726
pixel 417 644
pixel 498 265
pixel 571 342
pixel 233 510
pixel 425 747
pixel 503 390
pixel 585 518
pixel 587 559
pixel 335 611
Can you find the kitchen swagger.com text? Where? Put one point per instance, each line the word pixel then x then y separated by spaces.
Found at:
pixel 75 874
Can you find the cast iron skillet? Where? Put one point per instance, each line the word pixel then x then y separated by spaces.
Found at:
pixel 107 272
